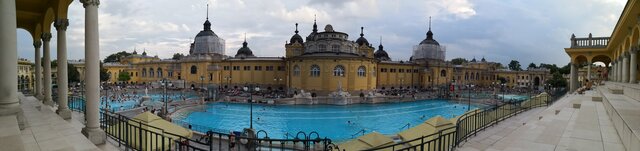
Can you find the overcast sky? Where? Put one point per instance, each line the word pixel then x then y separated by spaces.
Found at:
pixel 500 30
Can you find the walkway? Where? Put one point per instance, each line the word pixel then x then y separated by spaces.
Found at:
pixel 48 131
pixel 558 127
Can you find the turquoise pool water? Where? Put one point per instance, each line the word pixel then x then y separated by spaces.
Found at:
pixel 332 121
pixel 131 100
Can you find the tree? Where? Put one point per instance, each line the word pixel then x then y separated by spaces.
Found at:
pixel 72 73
pixel 116 56
pixel 177 56
pixel 458 61
pixel 566 69
pixel 515 65
pixel 502 80
pixel 124 76
pixel 557 80
pixel 104 76
pixel 532 65
pixel 552 67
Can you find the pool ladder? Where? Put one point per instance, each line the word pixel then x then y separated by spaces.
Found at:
pixel 361 131
pixel 406 125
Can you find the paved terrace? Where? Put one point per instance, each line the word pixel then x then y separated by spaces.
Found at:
pixel 45 130
pixel 603 119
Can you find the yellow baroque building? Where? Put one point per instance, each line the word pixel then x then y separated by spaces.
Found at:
pixel 323 62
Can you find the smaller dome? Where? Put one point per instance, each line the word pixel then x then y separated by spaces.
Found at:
pixel 328 28
pixel 430 39
pixel 244 51
pixel 483 60
pixel 296 38
pixel 380 54
pixel 362 41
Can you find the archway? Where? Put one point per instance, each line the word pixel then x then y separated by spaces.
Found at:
pixel 536 81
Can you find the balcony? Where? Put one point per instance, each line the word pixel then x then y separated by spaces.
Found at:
pixel 589 42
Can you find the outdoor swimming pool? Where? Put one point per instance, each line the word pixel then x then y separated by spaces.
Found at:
pixel 132 100
pixel 332 121
pixel 512 97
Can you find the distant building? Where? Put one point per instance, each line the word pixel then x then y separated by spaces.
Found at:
pixel 321 63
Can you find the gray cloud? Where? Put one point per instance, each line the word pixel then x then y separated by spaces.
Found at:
pixel 529 31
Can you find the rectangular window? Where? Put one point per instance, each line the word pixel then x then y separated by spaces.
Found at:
pixel 247 68
pixel 280 68
pixel 226 67
pixel 322 47
pixel 269 68
pixel 258 68
pixel 401 70
pixel 335 48
pixel 236 67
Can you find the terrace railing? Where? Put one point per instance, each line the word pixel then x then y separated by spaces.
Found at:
pixel 129 133
pixel 77 103
pixel 470 123
pixel 589 42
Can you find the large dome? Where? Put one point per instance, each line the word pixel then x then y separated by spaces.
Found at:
pixel 429 49
pixel 207 42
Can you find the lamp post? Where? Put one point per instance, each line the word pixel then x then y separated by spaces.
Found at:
pixel 166 102
pixel 251 89
pixel 469 95
pixel 277 80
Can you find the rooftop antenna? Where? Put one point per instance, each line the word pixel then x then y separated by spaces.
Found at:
pixel 207 11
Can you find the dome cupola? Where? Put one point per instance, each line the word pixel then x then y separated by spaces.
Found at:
pixel 244 52
pixel 296 37
pixel 362 41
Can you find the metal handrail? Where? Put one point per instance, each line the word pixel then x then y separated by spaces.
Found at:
pixel 360 131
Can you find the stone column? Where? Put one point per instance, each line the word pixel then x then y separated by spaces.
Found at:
pixel 573 78
pixel 620 62
pixel 38 73
pixel 589 71
pixel 92 65
pixel 9 103
pixel 625 67
pixel 633 66
pixel 612 71
pixel 46 37
pixel 63 81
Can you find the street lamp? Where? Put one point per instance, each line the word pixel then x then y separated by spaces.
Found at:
pixel 469 95
pixel 277 80
pixel 166 102
pixel 251 89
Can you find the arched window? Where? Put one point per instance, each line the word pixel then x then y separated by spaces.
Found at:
pixel 315 71
pixel 159 72
pixel 335 48
pixel 322 47
pixel 472 75
pixel 144 72
pixel 151 72
pixel 443 73
pixel 477 76
pixel 296 70
pixel 194 70
pixel 338 71
pixel 362 71
pixel 466 76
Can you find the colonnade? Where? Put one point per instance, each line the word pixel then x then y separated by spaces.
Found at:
pixel 625 67
pixel 9 101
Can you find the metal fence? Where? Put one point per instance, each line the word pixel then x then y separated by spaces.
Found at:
pixel 77 103
pixel 470 123
pixel 135 135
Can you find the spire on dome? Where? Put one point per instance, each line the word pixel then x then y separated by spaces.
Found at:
pixel 361 31
pixel 296 28
pixel 207 24
pixel 315 26
pixel 244 44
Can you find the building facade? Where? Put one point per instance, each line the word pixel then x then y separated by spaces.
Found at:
pixel 323 62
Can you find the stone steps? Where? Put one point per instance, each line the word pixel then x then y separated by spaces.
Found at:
pixel 624 112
